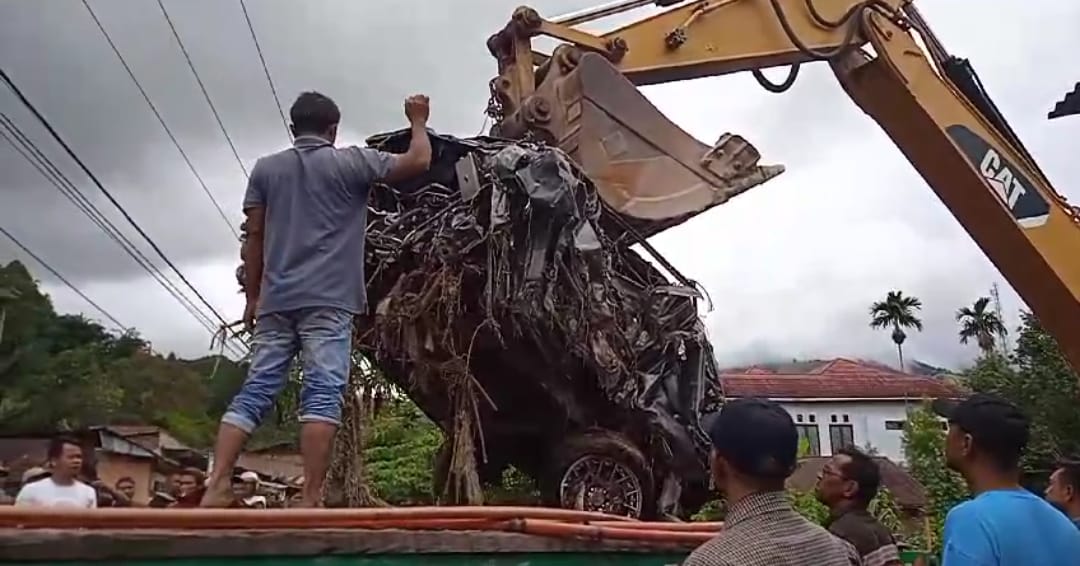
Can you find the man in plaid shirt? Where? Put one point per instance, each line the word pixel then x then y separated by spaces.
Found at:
pixel 754 447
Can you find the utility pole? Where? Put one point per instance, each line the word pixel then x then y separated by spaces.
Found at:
pixel 1003 336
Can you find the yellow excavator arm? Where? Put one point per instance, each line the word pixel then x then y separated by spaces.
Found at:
pixel 654 175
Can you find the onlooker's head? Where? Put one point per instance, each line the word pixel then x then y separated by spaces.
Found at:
pixel 173 484
pixel 987 435
pixel 314 114
pixel 126 486
pixel 189 482
pixel 248 484
pixel 754 447
pixel 65 458
pixel 849 480
pixel 1064 489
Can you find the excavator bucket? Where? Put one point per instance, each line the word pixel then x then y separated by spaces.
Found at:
pixel 644 166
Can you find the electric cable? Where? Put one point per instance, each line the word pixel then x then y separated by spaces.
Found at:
pixel 127 216
pixel 161 120
pixel 202 87
pixel 266 70
pixel 63 279
pixel 47 169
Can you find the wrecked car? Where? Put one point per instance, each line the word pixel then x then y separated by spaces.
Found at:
pixel 507 301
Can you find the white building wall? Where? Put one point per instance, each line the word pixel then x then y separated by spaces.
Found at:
pixel 873 423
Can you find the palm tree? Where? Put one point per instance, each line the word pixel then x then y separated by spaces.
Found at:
pixel 981 324
pixel 896 312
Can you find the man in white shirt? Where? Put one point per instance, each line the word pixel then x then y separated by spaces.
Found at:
pixel 61 489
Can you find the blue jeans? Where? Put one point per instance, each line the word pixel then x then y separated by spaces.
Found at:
pixel 323 337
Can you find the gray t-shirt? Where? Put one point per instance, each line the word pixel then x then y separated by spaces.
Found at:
pixel 316 199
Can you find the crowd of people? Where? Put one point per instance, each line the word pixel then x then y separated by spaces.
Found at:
pixel 754 450
pixel 67 481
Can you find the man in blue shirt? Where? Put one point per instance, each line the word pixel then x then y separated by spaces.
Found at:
pixel 306 210
pixel 1005 524
pixel 1064 490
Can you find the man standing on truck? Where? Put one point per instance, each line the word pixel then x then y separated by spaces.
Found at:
pixel 306 210
pixel 754 447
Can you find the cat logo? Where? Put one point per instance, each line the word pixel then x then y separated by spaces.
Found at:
pixel 1027 206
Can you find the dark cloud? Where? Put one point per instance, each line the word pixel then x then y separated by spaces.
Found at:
pixel 792 266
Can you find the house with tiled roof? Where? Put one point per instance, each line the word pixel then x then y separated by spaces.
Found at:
pixel 841 402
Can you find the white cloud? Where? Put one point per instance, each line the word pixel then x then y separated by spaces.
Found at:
pixel 791 266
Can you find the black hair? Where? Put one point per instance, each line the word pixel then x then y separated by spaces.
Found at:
pixel 313 113
pixel 1070 471
pixel 57 443
pixel 1002 455
pixel 194 473
pixel 863 470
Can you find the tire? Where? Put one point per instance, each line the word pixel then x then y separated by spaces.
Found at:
pixel 633 493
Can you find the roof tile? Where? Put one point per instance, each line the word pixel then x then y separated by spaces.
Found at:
pixel 837 379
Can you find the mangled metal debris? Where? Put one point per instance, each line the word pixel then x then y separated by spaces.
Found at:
pixel 507 302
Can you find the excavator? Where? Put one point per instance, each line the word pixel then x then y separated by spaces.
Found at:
pixel 583 98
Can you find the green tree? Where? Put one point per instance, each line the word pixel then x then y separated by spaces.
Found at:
pixel 400 454
pixel 980 323
pixel 924 450
pixel 1040 381
pixel 61 370
pixel 897 312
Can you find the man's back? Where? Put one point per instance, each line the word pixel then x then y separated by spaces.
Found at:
pixel 1009 527
pixel 874 543
pixel 764 530
pixel 316 215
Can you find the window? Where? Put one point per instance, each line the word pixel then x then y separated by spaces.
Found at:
pixel 894 425
pixel 846 419
pixel 841 436
pixel 809 439
pixel 798 418
pixel 832 418
pixel 813 418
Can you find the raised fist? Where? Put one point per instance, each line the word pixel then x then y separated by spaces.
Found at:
pixel 417 109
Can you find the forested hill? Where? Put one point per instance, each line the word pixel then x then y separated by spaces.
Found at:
pixel 65 371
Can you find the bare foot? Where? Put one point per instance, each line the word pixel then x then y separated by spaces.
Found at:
pixel 218 495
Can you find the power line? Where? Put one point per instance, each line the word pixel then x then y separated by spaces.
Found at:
pixel 202 87
pixel 29 151
pixel 266 70
pixel 161 120
pixel 63 279
pixel 157 249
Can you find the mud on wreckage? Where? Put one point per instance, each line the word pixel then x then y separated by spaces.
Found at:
pixel 506 301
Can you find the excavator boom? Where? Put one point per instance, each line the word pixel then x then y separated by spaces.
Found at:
pixel 931 104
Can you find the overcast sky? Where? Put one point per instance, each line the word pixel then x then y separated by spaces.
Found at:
pixel 791 266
